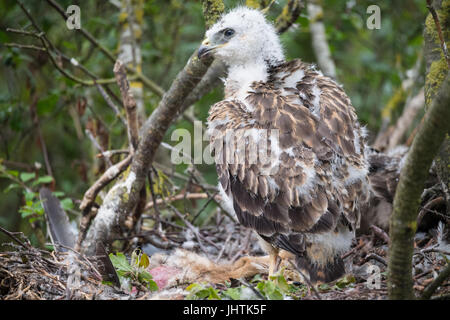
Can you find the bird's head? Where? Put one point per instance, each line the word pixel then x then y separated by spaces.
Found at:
pixel 242 36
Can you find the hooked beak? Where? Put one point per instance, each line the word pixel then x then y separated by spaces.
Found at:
pixel 204 49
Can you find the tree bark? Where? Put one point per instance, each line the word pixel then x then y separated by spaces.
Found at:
pixel 319 39
pixel 403 223
pixel 437 69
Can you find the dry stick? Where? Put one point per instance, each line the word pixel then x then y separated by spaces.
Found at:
pixel 109 175
pixel 110 153
pixel 248 285
pixel 404 122
pixel 244 247
pixel 192 196
pixel 25 46
pixel 110 103
pixel 436 283
pixel 223 248
pixel 12 236
pixel 439 31
pixel 192 227
pixel 359 246
pixel 211 198
pixel 97 145
pixel 129 104
pixel 380 233
pixel 375 257
pixel 427 208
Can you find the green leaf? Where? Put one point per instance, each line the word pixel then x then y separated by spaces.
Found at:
pixel 29 197
pixel 213 294
pixel 120 262
pixel 44 179
pixel 345 281
pixel 27 176
pixel 47 104
pixel 233 293
pixel 152 285
pixel 11 187
pixel 14 173
pixel 67 204
pixel 144 261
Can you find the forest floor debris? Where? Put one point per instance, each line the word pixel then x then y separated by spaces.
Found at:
pixel 31 273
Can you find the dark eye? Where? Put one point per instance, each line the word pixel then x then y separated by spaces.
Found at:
pixel 228 32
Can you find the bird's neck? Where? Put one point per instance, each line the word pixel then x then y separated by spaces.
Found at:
pixel 241 77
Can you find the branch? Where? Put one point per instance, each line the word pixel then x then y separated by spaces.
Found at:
pixel 403 223
pixel 436 283
pixel 289 15
pixel 406 119
pixel 439 31
pixel 109 175
pixel 319 39
pixel 129 103
pixel 124 196
pixel 147 82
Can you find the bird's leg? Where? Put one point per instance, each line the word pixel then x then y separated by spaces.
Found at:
pixel 274 262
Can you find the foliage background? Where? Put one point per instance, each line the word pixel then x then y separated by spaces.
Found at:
pixel 371 65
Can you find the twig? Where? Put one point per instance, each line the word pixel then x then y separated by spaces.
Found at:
pixel 192 228
pixel 380 233
pixel 110 153
pixel 25 46
pixel 204 206
pixel 306 279
pixel 375 257
pixel 248 285
pixel 129 103
pixel 244 247
pixel 431 288
pixel 109 175
pixel 110 103
pixel 12 236
pixel 97 145
pixel 359 246
pixel 193 196
pixel 223 247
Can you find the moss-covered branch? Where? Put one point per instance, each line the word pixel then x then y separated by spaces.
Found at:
pixel 124 196
pixel 403 223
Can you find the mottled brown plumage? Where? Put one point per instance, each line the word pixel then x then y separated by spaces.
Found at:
pixel 290 153
pixel 316 177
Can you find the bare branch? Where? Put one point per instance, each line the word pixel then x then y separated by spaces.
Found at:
pixel 129 103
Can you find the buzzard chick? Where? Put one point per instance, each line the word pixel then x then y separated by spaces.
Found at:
pixel 289 151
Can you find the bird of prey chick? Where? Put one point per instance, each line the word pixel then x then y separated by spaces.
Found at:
pixel 290 154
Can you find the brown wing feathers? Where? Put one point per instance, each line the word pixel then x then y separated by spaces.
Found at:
pixel 310 178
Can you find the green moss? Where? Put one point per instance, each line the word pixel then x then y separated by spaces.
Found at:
pixel 438 68
pixel 253 4
pixel 435 77
pixel 395 101
pixel 212 10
